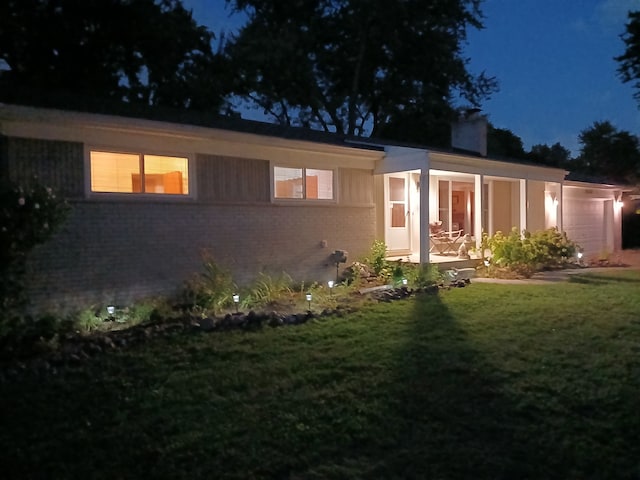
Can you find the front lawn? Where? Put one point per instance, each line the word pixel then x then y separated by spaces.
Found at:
pixel 482 382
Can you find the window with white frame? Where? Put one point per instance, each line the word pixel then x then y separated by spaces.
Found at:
pixel 303 183
pixel 113 172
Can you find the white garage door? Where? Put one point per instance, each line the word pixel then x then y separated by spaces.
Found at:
pixel 585 222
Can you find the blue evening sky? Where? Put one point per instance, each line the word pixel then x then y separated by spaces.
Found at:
pixel 553 59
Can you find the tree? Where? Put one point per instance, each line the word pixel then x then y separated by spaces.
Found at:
pixel 609 152
pixel 357 67
pixel 502 142
pixel 142 51
pixel 553 156
pixel 629 68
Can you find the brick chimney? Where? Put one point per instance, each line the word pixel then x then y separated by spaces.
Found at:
pixel 469 132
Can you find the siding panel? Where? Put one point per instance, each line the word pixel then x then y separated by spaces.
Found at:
pixel 356 186
pixel 232 180
pixel 57 164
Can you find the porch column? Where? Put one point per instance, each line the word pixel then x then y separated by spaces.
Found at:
pixel 424 214
pixel 479 208
pixel 559 208
pixel 524 184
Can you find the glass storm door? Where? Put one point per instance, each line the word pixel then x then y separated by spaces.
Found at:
pixel 397 219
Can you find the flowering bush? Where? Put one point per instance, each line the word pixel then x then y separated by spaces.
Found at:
pixel 29 215
pixel 530 252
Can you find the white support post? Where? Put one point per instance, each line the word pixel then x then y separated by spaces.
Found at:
pixel 424 214
pixel 479 207
pixel 524 203
pixel 559 208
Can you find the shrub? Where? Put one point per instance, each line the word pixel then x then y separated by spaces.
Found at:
pixel 29 216
pixel 530 252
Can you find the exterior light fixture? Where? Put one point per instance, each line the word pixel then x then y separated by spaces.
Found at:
pixel 236 300
pixel 330 283
pixel 111 309
pixel 486 262
pixel 308 296
pixel 404 281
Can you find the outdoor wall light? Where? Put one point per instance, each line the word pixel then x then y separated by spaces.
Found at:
pixel 111 310
pixel 236 300
pixel 619 202
pixel 309 300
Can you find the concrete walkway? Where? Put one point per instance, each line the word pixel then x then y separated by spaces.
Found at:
pixel 545 278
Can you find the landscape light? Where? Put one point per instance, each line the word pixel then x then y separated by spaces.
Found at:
pixel 330 283
pixel 309 300
pixel 111 310
pixel 236 300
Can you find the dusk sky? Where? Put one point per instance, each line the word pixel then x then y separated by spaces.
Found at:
pixel 553 59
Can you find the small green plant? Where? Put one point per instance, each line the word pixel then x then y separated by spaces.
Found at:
pixel 268 290
pixel 377 260
pixel 211 289
pixel 91 319
pixel 423 275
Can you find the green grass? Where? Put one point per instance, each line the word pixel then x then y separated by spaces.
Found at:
pixel 483 382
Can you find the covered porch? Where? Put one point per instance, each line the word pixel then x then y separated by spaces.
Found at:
pixel 463 196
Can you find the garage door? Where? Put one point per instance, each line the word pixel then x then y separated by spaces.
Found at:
pixel 584 221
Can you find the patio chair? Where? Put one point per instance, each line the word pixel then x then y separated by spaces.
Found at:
pixel 443 242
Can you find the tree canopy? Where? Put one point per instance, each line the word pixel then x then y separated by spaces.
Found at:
pixel 629 62
pixel 143 51
pixel 357 66
pixel 553 156
pixel 609 152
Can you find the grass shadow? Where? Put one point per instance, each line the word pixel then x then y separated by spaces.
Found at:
pixel 604 279
pixel 462 424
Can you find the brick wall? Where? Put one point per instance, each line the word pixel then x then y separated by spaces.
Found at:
pixel 115 251
pixel 111 251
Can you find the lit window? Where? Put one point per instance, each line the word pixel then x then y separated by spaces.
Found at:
pixel 303 183
pixel 137 173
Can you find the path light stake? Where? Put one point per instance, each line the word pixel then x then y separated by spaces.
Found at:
pixel 309 300
pixel 404 282
pixel 111 310
pixel 330 283
pixel 236 300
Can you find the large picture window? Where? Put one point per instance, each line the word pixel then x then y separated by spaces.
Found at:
pixel 138 173
pixel 303 183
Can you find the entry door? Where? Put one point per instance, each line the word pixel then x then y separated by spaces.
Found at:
pixel 397 221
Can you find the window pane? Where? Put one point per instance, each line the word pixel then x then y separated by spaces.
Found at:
pixel 319 184
pixel 288 182
pixel 168 175
pixel 396 189
pixel 398 217
pixel 115 172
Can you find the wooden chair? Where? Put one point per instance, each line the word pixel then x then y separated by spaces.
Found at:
pixel 442 241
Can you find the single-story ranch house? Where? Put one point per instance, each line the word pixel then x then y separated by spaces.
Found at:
pixel 149 197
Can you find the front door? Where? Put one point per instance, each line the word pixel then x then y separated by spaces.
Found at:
pixel 397 221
